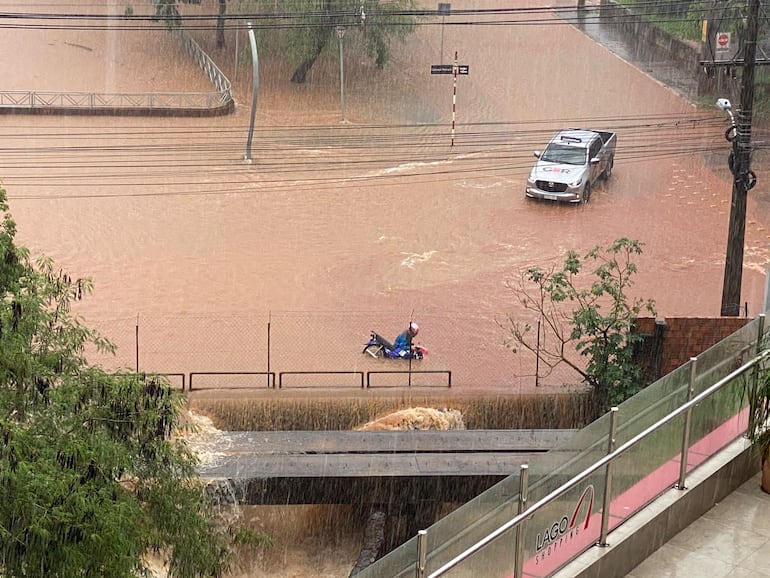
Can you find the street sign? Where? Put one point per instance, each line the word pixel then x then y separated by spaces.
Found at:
pixel 441 69
pixel 723 41
pixel 449 69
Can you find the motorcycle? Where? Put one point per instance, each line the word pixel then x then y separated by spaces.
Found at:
pixel 378 346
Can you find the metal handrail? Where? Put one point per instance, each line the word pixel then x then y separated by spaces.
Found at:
pixel 411 372
pixel 345 372
pixel 270 375
pixel 518 519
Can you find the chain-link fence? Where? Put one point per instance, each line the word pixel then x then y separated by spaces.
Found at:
pixel 291 350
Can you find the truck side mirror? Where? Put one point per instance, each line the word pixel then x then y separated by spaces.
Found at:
pixel 537 154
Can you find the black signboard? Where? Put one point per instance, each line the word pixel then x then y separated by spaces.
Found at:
pixel 448 69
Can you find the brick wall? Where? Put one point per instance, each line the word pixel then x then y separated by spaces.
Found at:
pixel 671 342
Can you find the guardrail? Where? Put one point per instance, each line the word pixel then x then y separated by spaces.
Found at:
pixel 525 512
pixel 282 373
pixel 180 375
pixel 203 60
pixel 410 373
pixel 269 374
pixel 271 382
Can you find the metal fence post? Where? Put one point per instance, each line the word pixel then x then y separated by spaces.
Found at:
pixel 760 331
pixel 518 560
pixel 680 485
pixel 136 342
pixel 422 552
pixel 269 319
pixel 537 356
pixel 608 478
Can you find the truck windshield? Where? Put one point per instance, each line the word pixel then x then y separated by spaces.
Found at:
pixel 564 154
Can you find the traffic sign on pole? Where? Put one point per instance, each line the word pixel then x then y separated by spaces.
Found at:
pixel 441 69
pixel 723 42
pixel 462 69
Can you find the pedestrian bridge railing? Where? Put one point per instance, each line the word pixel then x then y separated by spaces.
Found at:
pixel 536 521
pixel 312 379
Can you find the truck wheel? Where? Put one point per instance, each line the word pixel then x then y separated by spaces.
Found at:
pixel 586 193
pixel 608 168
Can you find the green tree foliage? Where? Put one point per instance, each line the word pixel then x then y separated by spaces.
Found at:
pixel 370 26
pixel 592 317
pixel 91 478
pixel 168 10
pixel 301 30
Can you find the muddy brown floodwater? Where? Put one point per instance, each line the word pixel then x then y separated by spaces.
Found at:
pixel 383 213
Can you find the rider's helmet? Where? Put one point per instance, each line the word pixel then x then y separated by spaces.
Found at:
pixel 413 328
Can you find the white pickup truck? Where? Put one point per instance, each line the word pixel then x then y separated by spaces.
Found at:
pixel 570 165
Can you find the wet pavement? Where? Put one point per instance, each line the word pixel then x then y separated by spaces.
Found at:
pixel 731 540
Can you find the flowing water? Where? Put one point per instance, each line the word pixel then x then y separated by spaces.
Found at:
pixel 388 211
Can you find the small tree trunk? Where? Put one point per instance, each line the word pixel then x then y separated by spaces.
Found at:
pixel 300 73
pixel 221 24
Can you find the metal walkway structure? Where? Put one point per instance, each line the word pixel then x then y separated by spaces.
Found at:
pixel 304 467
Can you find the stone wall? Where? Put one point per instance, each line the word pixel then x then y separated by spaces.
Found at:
pixel 671 60
pixel 649 43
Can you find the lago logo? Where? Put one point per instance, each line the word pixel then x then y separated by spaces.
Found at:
pixel 562 531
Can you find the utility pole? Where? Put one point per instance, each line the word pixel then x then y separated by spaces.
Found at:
pixel 743 177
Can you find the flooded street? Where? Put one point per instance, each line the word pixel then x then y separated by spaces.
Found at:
pixel 385 216
pixel 380 213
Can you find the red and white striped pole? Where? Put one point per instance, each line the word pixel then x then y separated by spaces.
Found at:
pixel 455 69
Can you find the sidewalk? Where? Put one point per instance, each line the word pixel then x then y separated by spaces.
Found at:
pixel 731 540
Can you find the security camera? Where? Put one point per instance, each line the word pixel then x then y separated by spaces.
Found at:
pixel 731 132
pixel 724 104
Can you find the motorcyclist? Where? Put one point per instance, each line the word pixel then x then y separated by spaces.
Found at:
pixel 404 340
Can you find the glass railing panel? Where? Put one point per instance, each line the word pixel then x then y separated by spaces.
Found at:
pixel 645 471
pixel 553 536
pixel 564 528
pixel 486 513
pixel 481 516
pixel 652 404
pixel 717 421
pixel 398 563
pixel 457 532
pixel 726 356
pixel 496 559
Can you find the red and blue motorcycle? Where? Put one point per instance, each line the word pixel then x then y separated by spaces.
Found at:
pixel 378 346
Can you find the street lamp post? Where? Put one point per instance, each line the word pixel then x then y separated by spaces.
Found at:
pixel 254 90
pixel 340 33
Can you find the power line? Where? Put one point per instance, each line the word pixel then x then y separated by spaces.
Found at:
pixel 283 20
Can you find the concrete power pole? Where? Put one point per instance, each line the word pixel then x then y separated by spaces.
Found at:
pixel 743 177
